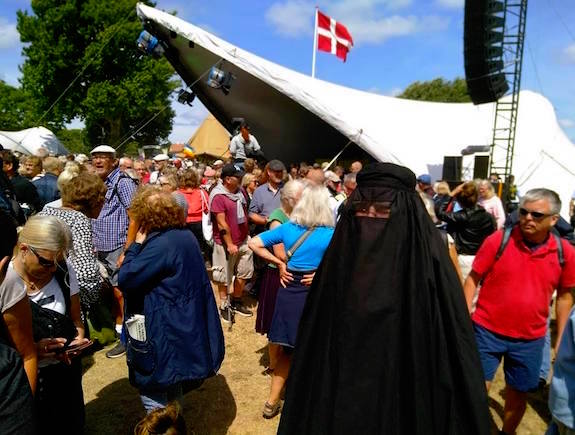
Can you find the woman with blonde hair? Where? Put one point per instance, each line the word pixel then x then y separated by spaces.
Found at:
pixel 306 237
pixel 39 267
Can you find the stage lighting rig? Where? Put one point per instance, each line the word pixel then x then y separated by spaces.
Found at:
pixel 149 44
pixel 219 79
pixel 186 97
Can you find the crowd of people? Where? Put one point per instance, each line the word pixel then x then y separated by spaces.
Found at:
pixel 388 301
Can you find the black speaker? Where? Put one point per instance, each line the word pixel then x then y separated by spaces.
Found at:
pixel 483 45
pixel 481 167
pixel 451 168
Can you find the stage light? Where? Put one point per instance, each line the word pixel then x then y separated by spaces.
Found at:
pixel 149 44
pixel 219 79
pixel 186 97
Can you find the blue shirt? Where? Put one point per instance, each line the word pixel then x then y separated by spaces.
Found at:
pixel 562 388
pixel 265 200
pixel 111 227
pixel 309 254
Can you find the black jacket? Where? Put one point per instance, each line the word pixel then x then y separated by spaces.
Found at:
pixel 469 227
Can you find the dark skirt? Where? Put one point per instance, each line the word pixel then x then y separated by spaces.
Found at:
pixel 267 299
pixel 288 310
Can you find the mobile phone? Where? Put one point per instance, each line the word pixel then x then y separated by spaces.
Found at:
pixel 74 349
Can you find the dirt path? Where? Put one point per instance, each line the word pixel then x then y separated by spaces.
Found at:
pixel 232 401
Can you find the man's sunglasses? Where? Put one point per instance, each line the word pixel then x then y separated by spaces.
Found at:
pixel 534 214
pixel 44 262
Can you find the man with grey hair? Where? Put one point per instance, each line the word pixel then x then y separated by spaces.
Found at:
pixel 518 279
pixel 125 163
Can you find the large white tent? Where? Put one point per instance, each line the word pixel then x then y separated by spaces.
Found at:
pixel 297 117
pixel 30 140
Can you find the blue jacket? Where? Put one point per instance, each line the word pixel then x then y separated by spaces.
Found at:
pixel 164 278
pixel 47 187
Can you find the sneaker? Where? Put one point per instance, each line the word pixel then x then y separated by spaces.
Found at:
pixel 227 315
pixel 116 352
pixel 241 309
pixel 270 411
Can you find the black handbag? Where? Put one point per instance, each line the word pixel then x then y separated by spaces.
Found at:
pixel 48 323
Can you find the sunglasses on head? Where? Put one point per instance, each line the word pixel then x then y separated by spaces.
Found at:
pixel 44 262
pixel 534 214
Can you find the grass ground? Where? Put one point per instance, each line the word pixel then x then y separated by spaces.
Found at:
pixel 232 401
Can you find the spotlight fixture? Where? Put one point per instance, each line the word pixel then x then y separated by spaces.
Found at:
pixel 219 79
pixel 149 44
pixel 186 97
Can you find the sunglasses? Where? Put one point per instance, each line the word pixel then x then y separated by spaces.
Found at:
pixel 534 214
pixel 44 262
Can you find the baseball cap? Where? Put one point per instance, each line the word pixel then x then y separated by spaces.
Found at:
pixel 276 165
pixel 230 170
pixel 106 149
pixel 161 157
pixel 332 176
pixel 218 163
pixel 424 178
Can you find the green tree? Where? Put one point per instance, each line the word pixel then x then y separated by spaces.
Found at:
pixel 15 108
pixel 73 141
pixel 439 90
pixel 81 62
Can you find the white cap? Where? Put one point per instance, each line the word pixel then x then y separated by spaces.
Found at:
pixel 103 149
pixel 218 163
pixel 161 157
pixel 81 158
pixel 332 176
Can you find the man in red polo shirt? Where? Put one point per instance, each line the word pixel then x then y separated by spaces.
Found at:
pixel 510 317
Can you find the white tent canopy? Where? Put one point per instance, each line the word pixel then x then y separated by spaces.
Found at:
pixel 30 140
pixel 297 117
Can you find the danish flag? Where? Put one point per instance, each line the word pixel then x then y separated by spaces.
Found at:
pixel 332 36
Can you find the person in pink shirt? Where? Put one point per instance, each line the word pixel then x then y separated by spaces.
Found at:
pixel 491 202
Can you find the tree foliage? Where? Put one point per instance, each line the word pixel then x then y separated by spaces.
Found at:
pixel 91 44
pixel 438 90
pixel 15 108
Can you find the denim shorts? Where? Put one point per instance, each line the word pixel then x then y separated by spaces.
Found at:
pixel 521 358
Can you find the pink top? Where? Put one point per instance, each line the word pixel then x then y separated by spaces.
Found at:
pixel 494 207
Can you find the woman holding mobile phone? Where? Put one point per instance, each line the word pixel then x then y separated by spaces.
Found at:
pixel 42 246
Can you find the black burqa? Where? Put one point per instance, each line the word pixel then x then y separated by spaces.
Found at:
pixel 385 343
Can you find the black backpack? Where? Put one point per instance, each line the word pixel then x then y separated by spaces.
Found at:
pixel 507 235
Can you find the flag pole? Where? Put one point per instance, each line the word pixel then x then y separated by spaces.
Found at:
pixel 314 45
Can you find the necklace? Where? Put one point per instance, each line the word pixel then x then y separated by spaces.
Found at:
pixel 32 286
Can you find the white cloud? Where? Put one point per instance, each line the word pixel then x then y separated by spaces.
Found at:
pixel 569 53
pixel 363 18
pixel 567 123
pixel 451 3
pixel 9 36
pixel 291 18
pixel 187 120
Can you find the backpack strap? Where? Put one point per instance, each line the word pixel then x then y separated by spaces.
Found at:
pixel 560 253
pixel 115 190
pixel 554 233
pixel 504 242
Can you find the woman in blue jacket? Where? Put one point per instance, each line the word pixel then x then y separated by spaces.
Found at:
pixel 164 279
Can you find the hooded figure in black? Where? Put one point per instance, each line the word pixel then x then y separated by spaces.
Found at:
pixel 385 343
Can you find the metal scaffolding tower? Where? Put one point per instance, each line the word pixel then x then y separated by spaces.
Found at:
pixel 501 155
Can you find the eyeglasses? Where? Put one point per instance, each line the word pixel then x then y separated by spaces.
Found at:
pixel 44 262
pixel 534 214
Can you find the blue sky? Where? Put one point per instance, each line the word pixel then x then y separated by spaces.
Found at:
pixel 396 43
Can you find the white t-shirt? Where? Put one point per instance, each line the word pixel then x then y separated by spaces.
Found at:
pixel 50 296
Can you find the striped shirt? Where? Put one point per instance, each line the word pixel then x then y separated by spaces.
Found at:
pixel 111 227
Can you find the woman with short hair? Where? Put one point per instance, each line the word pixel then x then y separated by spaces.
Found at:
pixel 311 226
pixel 491 202
pixel 82 199
pixel 197 199
pixel 163 278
